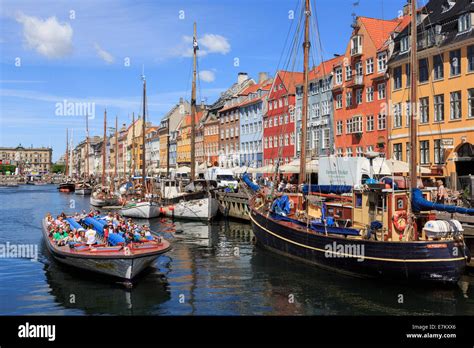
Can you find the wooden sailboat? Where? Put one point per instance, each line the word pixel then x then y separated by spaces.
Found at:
pixel 371 241
pixel 67 185
pixel 84 187
pixel 145 205
pixel 199 204
pixel 102 195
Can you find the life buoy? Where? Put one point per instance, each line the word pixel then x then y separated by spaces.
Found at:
pixel 400 220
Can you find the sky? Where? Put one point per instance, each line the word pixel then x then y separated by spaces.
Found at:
pixel 61 61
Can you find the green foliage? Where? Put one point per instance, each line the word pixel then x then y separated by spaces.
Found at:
pixel 58 168
pixel 7 168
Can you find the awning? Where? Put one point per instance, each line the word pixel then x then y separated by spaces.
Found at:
pixel 294 167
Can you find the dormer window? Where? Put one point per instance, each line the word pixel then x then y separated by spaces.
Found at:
pixel 404 44
pixel 448 5
pixel 464 22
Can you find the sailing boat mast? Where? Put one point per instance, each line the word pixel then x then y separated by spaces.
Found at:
pixel 304 115
pixel 193 105
pixel 66 170
pixel 87 146
pixel 133 144
pixel 143 137
pixel 116 147
pixel 103 148
pixel 413 122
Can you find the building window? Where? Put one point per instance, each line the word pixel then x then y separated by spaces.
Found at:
pixel 348 72
pixel 348 99
pixel 397 115
pixel 424 152
pixel 423 70
pixel 438 67
pixel 470 58
pixel 439 108
pixel 338 101
pixel 358 68
pixel 381 91
pixel 424 110
pixel 356 45
pixel 397 151
pixel 381 121
pixel 349 152
pixel 338 76
pixel 470 103
pixel 286 140
pixel 292 138
pixel 369 94
pixel 270 142
pixel 455 62
pixel 438 152
pixel 270 122
pixel 357 124
pixel 369 66
pixel 408 75
pixel 349 126
pixel 339 152
pixel 339 127
pixel 464 22
pixel 397 77
pixel 404 44
pixel 455 102
pixel 370 123
pixel 359 96
pixel 408 113
pixel 360 151
pixel 382 62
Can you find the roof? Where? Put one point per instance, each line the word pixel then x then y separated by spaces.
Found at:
pixel 324 69
pixel 290 79
pixel 379 30
pixel 197 117
pixel 265 86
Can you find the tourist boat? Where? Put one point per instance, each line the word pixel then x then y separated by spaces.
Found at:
pixel 116 260
pixel 384 233
pixel 197 201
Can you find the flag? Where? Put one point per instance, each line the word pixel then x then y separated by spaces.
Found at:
pixel 195 44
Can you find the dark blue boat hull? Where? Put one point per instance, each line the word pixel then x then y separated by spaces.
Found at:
pixel 442 262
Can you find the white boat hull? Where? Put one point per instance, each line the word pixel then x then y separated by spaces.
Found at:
pixel 196 209
pixel 141 210
pixel 83 191
pixel 103 202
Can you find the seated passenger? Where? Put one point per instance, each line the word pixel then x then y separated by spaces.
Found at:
pixel 90 236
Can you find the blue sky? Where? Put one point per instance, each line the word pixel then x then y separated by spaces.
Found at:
pixel 77 50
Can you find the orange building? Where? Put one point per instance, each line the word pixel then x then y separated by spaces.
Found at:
pixel 211 139
pixel 360 88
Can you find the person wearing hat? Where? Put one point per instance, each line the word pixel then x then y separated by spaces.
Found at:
pixel 442 193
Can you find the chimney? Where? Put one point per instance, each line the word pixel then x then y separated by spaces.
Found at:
pixel 241 77
pixel 262 76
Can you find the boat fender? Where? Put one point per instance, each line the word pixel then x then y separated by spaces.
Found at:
pixel 127 251
pixel 400 219
pixel 178 231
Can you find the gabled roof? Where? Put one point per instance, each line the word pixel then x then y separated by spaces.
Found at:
pixel 379 30
pixel 290 79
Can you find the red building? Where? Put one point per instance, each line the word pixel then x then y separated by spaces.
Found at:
pixel 361 88
pixel 279 120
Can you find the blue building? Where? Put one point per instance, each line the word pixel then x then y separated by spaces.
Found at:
pixel 251 111
pixel 320 131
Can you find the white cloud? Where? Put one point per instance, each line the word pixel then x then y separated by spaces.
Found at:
pixel 103 54
pixel 207 75
pixel 215 43
pixel 48 37
pixel 209 43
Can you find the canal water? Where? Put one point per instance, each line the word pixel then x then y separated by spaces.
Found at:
pixel 212 270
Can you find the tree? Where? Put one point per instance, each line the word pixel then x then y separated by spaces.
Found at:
pixel 58 168
pixel 7 168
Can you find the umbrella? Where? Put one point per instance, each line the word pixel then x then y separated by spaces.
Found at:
pixel 384 166
pixel 294 166
pixel 265 169
pixel 183 169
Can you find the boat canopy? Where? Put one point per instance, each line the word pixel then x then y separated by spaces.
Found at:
pixel 420 203
pixel 246 179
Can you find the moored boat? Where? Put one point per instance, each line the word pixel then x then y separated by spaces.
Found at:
pixel 66 187
pixel 116 259
pixel 141 209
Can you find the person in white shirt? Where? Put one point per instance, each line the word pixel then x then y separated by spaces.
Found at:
pixel 90 236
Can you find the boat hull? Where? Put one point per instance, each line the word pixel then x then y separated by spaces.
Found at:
pixel 83 191
pixel 123 266
pixel 197 209
pixel 442 262
pixel 141 210
pixel 103 202
pixel 66 187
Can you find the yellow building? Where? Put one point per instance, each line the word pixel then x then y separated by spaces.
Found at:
pixel 445 92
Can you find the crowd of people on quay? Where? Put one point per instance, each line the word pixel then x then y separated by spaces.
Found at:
pixel 62 233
